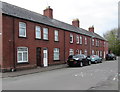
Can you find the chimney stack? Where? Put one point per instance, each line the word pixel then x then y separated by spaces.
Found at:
pixel 91 29
pixel 48 12
pixel 75 22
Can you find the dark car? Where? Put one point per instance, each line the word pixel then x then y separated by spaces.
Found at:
pixel 78 60
pixel 95 59
pixel 110 56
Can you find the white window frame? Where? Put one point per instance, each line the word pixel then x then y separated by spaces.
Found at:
pixel 71 52
pixel 77 39
pixel 22 52
pixel 22 26
pixel 80 39
pixel 71 38
pixel 45 33
pixel 38 32
pixel 56 54
pixel 93 52
pixel 93 41
pixel 56 35
pixel 85 52
pixel 80 51
pixel 101 53
pixel 85 40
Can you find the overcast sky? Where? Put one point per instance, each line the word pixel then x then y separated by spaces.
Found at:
pixel 103 14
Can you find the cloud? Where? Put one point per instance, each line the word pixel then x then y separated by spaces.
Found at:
pixel 103 14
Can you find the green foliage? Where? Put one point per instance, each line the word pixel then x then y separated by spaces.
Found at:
pixel 113 41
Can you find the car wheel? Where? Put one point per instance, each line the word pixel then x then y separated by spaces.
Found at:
pixel 81 64
pixel 89 63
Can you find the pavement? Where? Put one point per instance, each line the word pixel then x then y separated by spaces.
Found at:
pixel 32 71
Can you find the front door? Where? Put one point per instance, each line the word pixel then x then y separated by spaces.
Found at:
pixel 38 56
pixel 45 57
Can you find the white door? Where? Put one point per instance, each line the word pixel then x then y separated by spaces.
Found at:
pixel 45 57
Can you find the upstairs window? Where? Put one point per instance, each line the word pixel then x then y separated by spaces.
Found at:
pixel 45 33
pixel 37 32
pixel 85 40
pixel 56 53
pixel 80 39
pixel 93 41
pixel 77 39
pixel 22 29
pixel 71 38
pixel 56 35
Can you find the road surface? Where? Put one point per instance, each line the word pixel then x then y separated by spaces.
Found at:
pixel 102 76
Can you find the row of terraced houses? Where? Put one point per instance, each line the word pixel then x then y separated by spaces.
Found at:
pixel 29 39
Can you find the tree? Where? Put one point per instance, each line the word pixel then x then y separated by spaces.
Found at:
pixel 113 41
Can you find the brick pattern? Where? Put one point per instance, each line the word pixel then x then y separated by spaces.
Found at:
pixel 11 41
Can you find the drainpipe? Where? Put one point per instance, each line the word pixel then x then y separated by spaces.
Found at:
pixel 14 67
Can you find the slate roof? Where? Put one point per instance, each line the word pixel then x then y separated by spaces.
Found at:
pixel 16 11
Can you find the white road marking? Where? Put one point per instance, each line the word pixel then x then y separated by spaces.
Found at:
pixel 115 77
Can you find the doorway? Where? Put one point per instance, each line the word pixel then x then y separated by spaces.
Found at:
pixel 38 56
pixel 45 57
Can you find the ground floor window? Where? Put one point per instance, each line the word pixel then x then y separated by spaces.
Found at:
pixel 85 52
pixel 22 54
pixel 71 52
pixel 56 53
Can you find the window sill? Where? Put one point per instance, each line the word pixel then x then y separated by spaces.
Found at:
pixel 23 63
pixel 45 39
pixel 56 60
pixel 22 37
pixel 37 39
pixel 56 41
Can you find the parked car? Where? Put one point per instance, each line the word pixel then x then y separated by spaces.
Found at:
pixel 95 59
pixel 110 56
pixel 78 60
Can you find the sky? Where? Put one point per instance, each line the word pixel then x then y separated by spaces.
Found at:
pixel 103 14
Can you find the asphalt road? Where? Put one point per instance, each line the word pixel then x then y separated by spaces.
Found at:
pixel 102 76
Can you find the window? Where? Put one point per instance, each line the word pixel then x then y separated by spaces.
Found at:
pixel 93 41
pixel 71 38
pixel 22 29
pixel 85 52
pixel 71 52
pixel 85 40
pixel 56 37
pixel 38 32
pixel 96 42
pixel 56 53
pixel 80 39
pixel 80 51
pixel 45 33
pixel 22 54
pixel 98 53
pixel 77 39
pixel 93 52
pixel 101 53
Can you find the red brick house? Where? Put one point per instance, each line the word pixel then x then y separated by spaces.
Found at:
pixel 29 39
